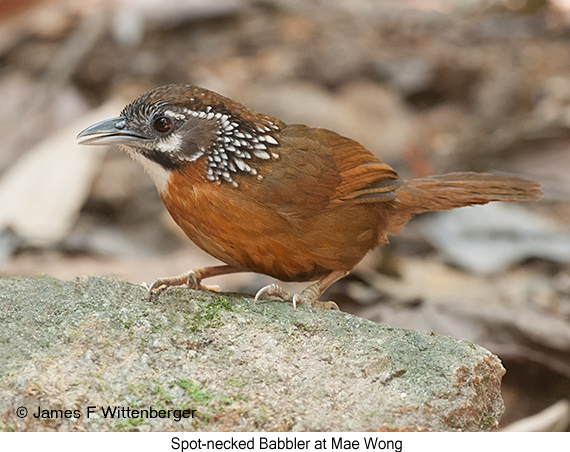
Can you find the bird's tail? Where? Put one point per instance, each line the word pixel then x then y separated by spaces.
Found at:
pixel 463 189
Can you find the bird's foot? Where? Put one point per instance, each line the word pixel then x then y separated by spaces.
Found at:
pixel 191 279
pixel 308 296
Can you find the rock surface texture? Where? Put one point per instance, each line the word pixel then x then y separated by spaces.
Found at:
pixel 93 344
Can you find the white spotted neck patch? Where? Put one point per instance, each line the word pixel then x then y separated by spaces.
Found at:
pixel 238 145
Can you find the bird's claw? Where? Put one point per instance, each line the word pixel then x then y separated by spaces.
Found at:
pixel 155 288
pixel 191 279
pixel 274 290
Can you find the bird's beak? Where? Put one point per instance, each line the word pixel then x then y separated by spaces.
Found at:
pixel 110 131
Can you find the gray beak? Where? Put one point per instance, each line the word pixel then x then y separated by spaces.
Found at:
pixel 110 131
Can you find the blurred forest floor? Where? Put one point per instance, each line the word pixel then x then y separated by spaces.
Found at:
pixel 430 86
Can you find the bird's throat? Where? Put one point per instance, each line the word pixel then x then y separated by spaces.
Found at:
pixel 158 173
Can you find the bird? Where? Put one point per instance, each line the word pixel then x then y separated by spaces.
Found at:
pixel 294 202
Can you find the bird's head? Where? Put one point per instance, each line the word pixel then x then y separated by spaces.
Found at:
pixel 174 125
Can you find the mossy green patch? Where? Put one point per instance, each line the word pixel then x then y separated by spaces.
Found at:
pixel 7 427
pixel 236 382
pixel 208 315
pixel 163 395
pixel 129 425
pixel 488 422
pixel 137 389
pixel 193 391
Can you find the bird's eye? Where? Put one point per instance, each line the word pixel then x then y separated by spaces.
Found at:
pixel 162 124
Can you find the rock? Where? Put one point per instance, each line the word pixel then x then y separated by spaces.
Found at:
pixel 242 366
pixel 410 74
pixel 42 206
pixel 555 418
pixel 487 239
pixel 132 17
pixel 373 115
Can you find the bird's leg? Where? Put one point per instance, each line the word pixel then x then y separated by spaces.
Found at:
pixel 193 278
pixel 310 295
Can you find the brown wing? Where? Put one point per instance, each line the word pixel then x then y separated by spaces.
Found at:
pixel 364 177
pixel 318 168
